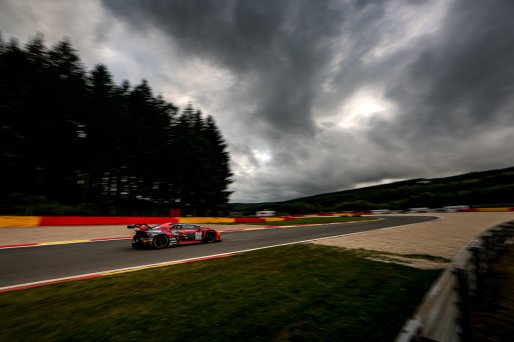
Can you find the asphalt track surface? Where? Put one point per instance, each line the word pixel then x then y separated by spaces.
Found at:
pixel 41 263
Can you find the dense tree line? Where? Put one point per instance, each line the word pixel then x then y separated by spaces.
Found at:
pixel 73 137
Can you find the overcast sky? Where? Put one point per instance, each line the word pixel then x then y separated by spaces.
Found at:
pixel 312 96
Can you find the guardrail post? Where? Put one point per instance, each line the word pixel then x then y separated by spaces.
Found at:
pixel 499 240
pixel 463 304
pixel 475 277
pixel 509 231
pixel 503 236
pixel 509 228
pixel 489 246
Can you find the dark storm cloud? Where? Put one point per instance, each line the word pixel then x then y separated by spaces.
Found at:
pixel 280 45
pixel 280 50
pixel 455 97
pixel 463 81
pixel 444 67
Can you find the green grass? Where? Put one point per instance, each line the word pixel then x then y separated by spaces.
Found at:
pixel 313 220
pixel 300 292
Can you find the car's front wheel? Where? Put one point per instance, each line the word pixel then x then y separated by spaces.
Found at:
pixel 210 236
pixel 160 241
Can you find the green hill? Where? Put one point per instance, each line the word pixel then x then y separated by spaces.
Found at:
pixel 476 189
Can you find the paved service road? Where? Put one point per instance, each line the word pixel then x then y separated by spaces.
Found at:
pixel 34 264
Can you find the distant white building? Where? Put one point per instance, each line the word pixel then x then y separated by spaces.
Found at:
pixel 419 210
pixel 455 208
pixel 380 211
pixel 265 213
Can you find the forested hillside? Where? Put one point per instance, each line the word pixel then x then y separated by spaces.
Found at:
pixel 75 141
pixel 478 189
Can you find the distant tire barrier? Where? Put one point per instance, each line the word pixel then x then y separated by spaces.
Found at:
pixel 485 210
pixel 249 219
pixel 42 221
pixel 19 221
pixel 100 220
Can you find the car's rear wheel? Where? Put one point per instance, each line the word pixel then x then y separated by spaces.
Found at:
pixel 160 241
pixel 210 236
pixel 136 243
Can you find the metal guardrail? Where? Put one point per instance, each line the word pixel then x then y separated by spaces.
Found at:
pixel 445 312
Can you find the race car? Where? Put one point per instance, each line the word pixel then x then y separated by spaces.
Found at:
pixel 171 234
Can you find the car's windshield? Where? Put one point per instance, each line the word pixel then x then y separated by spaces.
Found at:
pixel 182 226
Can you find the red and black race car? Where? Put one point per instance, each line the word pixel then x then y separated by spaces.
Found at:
pixel 171 234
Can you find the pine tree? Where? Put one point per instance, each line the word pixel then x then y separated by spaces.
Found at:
pixel 78 138
pixel 204 172
pixel 218 166
pixel 102 143
pixel 63 120
pixel 16 165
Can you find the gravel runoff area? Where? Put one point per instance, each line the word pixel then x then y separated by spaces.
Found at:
pixel 425 245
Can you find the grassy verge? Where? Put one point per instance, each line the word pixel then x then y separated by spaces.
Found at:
pixel 300 292
pixel 493 315
pixel 313 220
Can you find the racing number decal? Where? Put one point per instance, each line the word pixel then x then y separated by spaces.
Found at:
pixel 198 235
